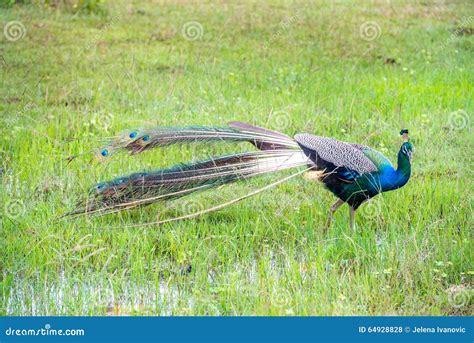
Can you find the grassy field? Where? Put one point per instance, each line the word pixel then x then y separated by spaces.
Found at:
pixel 70 78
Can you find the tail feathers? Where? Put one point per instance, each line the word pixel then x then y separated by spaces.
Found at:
pixel 244 127
pixel 165 136
pixel 149 187
pixel 137 141
pixel 268 139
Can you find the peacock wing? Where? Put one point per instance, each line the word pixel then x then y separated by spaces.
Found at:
pixel 375 156
pixel 334 156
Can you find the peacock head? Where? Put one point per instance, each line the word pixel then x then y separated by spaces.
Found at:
pixel 407 148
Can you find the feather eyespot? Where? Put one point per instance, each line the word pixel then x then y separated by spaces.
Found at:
pixel 104 152
pixel 146 138
pixel 133 134
pixel 100 186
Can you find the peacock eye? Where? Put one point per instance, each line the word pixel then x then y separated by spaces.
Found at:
pixel 133 134
pixel 146 138
pixel 104 152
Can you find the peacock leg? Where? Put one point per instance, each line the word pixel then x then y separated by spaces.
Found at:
pixel 333 209
pixel 352 215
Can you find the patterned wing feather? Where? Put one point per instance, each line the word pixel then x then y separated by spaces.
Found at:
pixel 331 152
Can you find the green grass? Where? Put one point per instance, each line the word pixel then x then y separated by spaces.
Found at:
pixel 293 67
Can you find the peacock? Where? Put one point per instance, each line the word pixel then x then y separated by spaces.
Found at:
pixel 354 173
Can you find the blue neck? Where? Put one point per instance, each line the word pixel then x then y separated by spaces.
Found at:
pixel 397 178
